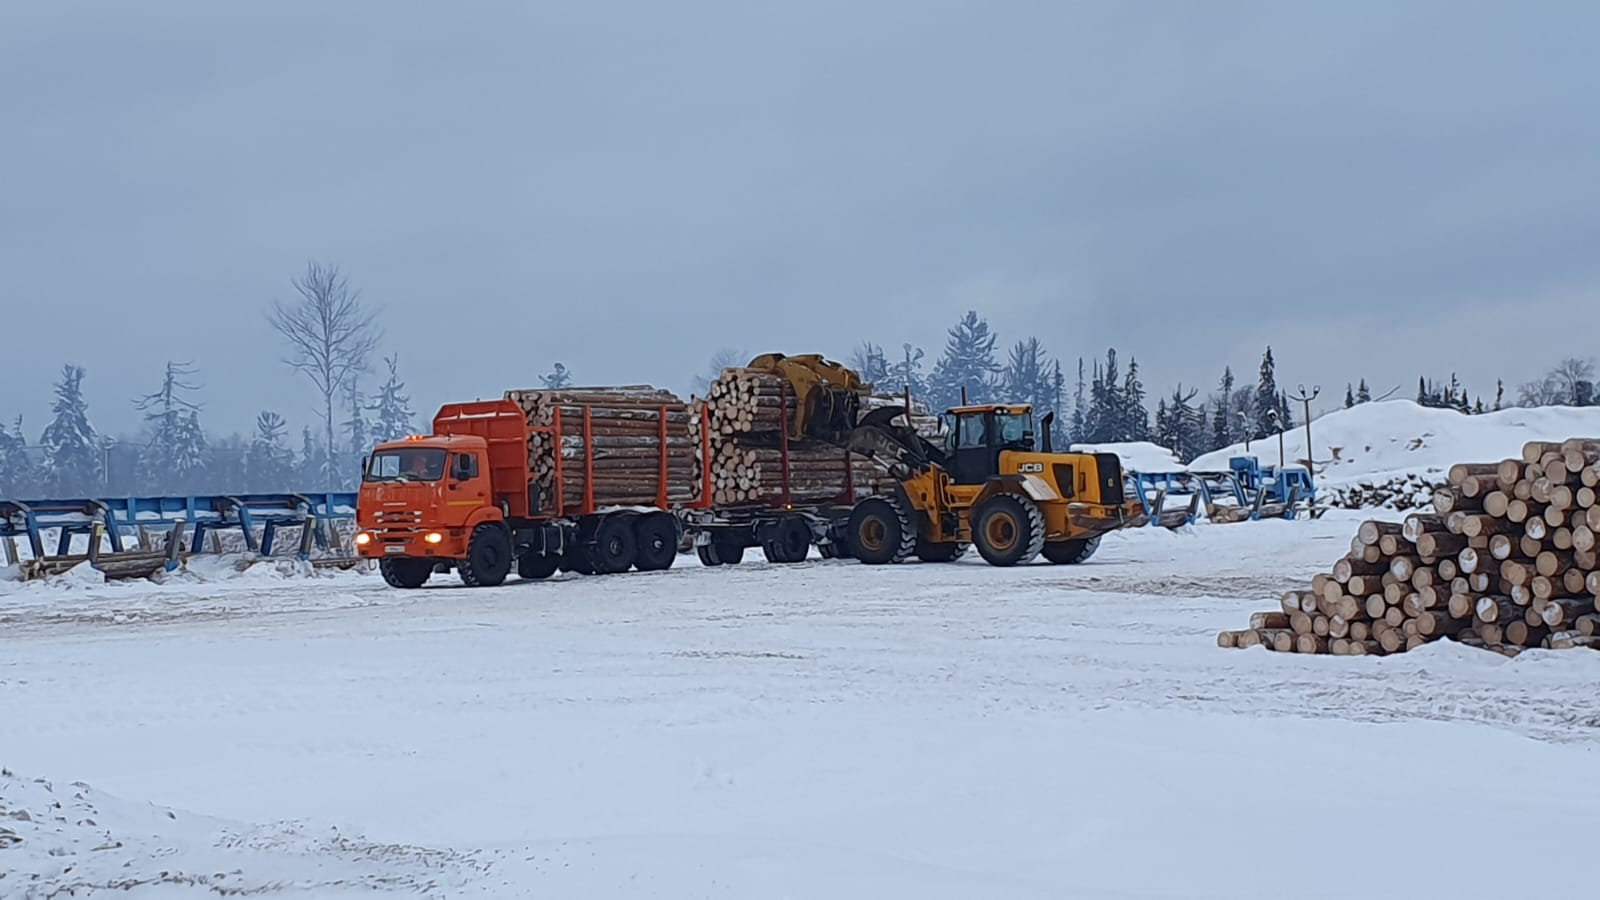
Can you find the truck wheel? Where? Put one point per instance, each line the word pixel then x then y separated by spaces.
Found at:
pixel 488 559
pixel 790 541
pixel 881 532
pixel 536 567
pixel 1067 553
pixel 1008 530
pixel 405 573
pixel 928 551
pixel 657 535
pixel 615 546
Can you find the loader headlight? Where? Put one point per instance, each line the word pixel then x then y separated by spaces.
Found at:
pixel 433 537
pixel 363 539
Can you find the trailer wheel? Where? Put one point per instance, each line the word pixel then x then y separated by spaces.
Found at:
pixel 536 567
pixel 708 554
pixel 1068 553
pixel 657 535
pixel 1008 530
pixel 615 546
pixel 881 532
pixel 730 546
pixel 406 572
pixel 488 559
pixel 790 541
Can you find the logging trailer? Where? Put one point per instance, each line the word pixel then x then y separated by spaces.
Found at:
pixel 465 497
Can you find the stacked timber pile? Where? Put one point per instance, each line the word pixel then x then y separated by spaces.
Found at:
pixel 1509 559
pixel 1401 493
pixel 745 414
pixel 627 426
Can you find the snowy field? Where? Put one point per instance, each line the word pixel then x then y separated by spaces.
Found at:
pixel 823 730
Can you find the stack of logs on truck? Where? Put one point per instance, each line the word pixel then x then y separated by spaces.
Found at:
pixel 724 466
pixel 1509 559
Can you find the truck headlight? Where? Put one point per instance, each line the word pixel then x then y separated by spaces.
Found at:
pixel 363 539
pixel 433 537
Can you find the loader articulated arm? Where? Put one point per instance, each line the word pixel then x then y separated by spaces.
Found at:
pixel 898 448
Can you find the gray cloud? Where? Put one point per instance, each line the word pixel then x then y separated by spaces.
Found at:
pixel 628 188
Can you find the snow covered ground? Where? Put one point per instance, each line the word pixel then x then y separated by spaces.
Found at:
pixel 822 730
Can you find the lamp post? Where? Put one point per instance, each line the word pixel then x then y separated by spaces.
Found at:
pixel 1306 399
pixel 1244 426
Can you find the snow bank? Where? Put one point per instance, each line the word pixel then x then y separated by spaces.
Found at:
pixel 71 840
pixel 1137 456
pixel 1378 442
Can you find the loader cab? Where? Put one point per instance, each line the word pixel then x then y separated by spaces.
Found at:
pixel 978 434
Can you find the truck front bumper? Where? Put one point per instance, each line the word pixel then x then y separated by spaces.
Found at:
pixel 372 543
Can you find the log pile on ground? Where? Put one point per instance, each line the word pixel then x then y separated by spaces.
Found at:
pixel 627 427
pixel 1402 493
pixel 746 412
pixel 1509 559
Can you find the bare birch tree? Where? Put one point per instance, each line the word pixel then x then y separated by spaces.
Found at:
pixel 330 335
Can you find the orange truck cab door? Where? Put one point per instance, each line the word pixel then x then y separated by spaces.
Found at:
pixel 467 484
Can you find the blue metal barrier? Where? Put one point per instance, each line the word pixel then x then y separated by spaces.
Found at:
pixel 257 517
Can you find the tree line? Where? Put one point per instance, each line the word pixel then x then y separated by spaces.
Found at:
pixel 331 338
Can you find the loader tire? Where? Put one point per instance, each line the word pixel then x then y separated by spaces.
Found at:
pixel 536 567
pixel 405 573
pixel 488 559
pixel 928 551
pixel 1069 553
pixel 657 535
pixel 881 531
pixel 1008 530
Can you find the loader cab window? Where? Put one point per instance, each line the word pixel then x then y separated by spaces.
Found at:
pixel 1016 431
pixel 407 464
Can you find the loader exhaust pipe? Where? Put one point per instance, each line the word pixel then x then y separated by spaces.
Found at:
pixel 1044 432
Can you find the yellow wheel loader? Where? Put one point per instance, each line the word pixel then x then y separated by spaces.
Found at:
pixel 988 485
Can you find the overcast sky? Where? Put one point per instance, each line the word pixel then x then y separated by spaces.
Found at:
pixel 1379 189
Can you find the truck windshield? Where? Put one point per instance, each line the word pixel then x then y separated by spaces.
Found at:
pixel 408 464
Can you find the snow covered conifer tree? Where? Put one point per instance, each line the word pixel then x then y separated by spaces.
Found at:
pixel 1080 411
pixel 72 450
pixel 270 465
pixel 188 453
pixel 1266 396
pixel 1363 394
pixel 17 477
pixel 356 431
pixel 1135 418
pixel 1222 425
pixel 393 418
pixel 968 362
